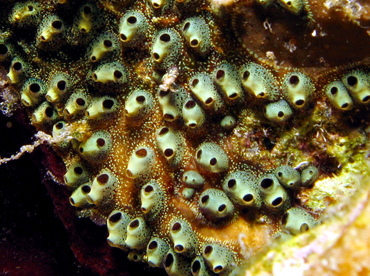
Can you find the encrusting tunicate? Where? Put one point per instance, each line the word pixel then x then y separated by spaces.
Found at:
pixel 193 114
pixel 133 28
pixel 102 187
pixel 212 158
pixel 242 188
pixel 166 48
pixel 140 163
pixel 97 147
pixel 297 220
pixel 338 95
pixel 204 89
pixel 156 251
pixel 220 259
pixel 117 223
pixel 215 204
pixel 227 78
pixel 183 237
pixel 298 89
pixel 278 112
pixel 152 199
pixel 197 34
pixel 288 176
pixel 258 81
pixel 138 234
pixel 358 84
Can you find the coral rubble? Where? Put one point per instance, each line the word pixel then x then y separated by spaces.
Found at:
pixel 203 133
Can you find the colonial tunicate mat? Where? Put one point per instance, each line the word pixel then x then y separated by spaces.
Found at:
pixel 211 137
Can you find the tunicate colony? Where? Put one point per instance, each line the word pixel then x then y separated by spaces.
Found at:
pixel 149 101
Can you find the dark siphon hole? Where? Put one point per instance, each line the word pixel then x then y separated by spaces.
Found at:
pixel 49 112
pixel 196 266
pixel 344 105
pixel 186 26
pixel 233 95
pixel 30 8
pixel 194 42
pixel 78 170
pixel 163 93
pixel 280 174
pixel 209 100
pixel 190 104
pixel 100 142
pixel 205 199
pixel 334 90
pixel 280 114
pixel 149 189
pixel 199 154
pixel 140 99
pixel 218 269
pixel 169 260
pixel 294 80
pixel 165 37
pixel 299 102
pixel 35 87
pixel 176 226
pixel 132 20
pixel 156 56
pixel 80 102
pixel 179 248
pixel 153 245
pixel 59 125
pixel 3 49
pixel 277 201
pixel 352 80
pixel 221 208
pixel 141 153
pixel 17 66
pixel 168 152
pixel 220 74
pixel 208 249
pixel 123 37
pixel 213 161
pixel 135 223
pixel 117 74
pixel 81 150
pixel 266 183
pixel 231 183
pixel 194 82
pixel 365 99
pixel 57 24
pixel 108 104
pixel 163 131
pixel 103 178
pixel 61 85
pixel 246 75
pixel 107 43
pixel 87 10
pixel 168 117
pixel 86 189
pixel 248 198
pixel 304 227
pixel 116 217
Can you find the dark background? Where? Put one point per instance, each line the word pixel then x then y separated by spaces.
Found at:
pixel 39 231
